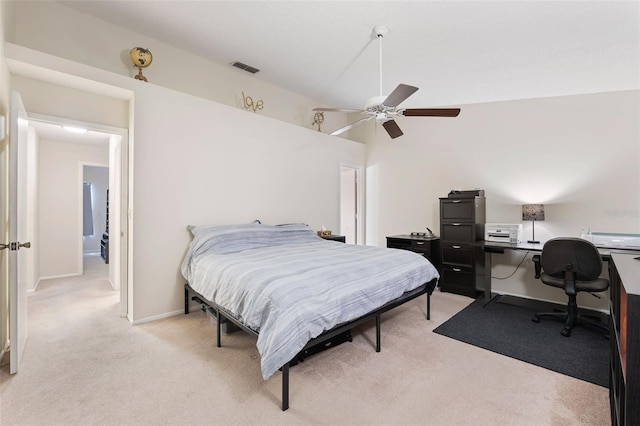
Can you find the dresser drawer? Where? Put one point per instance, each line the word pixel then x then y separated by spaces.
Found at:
pixel 459 280
pixel 457 231
pixel 457 254
pixel 457 210
pixel 398 243
pixel 421 246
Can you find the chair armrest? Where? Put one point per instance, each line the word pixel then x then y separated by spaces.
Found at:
pixel 536 264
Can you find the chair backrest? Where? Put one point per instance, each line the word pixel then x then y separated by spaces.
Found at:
pixel 581 254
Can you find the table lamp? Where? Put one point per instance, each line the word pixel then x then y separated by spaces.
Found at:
pixel 533 212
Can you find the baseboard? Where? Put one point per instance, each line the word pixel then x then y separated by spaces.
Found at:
pixel 192 308
pixel 35 287
pixel 53 277
pixel 156 317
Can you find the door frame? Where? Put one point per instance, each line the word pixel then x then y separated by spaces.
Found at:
pixel 119 166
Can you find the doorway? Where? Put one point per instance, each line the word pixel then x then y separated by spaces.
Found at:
pixel 351 204
pixel 95 213
pixel 92 153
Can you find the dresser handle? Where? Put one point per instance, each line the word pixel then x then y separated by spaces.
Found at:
pixel 456 224
pixel 420 243
pixel 456 201
pixel 455 247
pixel 457 269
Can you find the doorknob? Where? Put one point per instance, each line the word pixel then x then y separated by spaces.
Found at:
pixel 15 246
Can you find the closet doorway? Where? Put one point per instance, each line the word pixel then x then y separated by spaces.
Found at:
pixel 95 212
pixel 352 203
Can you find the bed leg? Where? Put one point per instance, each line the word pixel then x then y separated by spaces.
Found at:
pixel 377 333
pixel 218 327
pixel 285 387
pixel 186 301
pixel 428 306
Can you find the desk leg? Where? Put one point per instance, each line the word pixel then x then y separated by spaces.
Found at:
pixel 487 277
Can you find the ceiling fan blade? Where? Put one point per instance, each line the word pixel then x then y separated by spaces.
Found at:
pixel 350 126
pixel 431 112
pixel 392 128
pixel 339 110
pixel 399 94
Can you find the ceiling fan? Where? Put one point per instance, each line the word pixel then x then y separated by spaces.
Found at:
pixel 383 108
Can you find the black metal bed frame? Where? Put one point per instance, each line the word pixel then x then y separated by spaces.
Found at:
pixel 211 307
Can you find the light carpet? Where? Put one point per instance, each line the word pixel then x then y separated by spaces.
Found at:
pixel 83 364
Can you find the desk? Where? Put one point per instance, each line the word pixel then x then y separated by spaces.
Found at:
pixel 490 247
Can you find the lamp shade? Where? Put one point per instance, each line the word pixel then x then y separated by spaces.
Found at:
pixel 533 212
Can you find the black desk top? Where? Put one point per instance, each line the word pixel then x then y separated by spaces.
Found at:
pixel 415 237
pixel 629 269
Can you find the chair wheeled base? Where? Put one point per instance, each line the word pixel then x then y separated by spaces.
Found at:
pixel 573 265
pixel 571 318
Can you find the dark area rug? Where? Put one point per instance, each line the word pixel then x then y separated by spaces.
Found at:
pixel 507 329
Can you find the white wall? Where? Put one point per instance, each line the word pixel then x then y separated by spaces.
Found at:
pixel 117 256
pixel 196 161
pixel 66 33
pixel 60 197
pixel 65 102
pixel 199 162
pixel 32 256
pixel 517 151
pixel 578 155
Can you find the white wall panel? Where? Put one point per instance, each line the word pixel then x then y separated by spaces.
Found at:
pixel 59 177
pixel 577 155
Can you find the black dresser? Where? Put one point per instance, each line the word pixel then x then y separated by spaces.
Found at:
pixel 462 222
pixel 624 339
pixel 104 242
pixel 429 247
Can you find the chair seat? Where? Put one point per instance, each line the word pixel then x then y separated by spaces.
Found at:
pixel 599 284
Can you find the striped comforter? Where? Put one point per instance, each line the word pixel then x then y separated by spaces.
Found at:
pixel 290 285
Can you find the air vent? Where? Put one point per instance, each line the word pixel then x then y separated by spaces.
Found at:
pixel 245 67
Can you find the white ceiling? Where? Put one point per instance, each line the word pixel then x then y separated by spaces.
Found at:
pixel 55 132
pixel 456 52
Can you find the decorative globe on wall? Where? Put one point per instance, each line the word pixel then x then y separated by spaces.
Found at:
pixel 141 58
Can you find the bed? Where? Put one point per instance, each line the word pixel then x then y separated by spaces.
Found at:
pixel 294 290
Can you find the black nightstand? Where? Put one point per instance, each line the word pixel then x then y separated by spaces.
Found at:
pixel 340 238
pixel 429 247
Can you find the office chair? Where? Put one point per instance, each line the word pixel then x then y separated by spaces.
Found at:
pixel 574 265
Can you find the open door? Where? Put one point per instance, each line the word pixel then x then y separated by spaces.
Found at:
pixel 17 231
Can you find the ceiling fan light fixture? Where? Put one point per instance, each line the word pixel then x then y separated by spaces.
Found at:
pixel 381 117
pixel 374 102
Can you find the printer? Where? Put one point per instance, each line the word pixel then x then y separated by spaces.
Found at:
pixel 503 232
